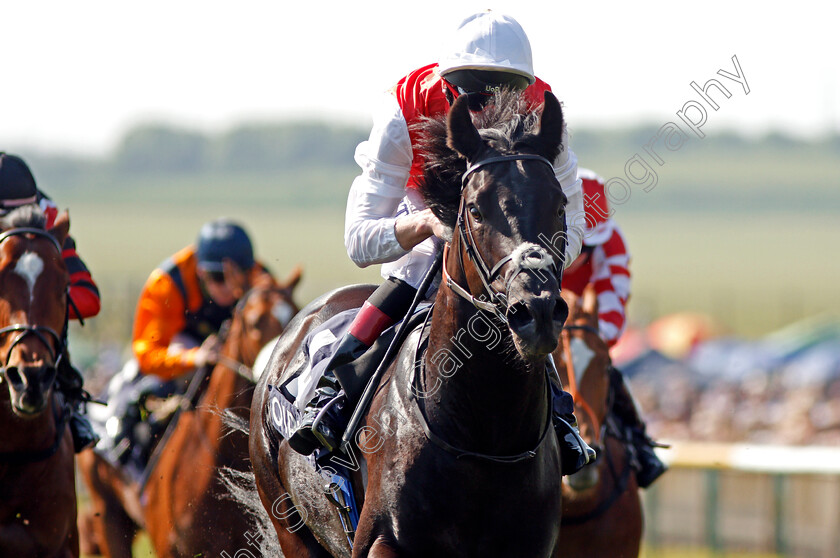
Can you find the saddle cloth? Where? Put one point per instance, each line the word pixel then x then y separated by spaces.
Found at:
pixel 287 401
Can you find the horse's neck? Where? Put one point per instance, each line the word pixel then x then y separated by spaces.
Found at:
pixel 477 387
pixel 227 388
pixel 25 435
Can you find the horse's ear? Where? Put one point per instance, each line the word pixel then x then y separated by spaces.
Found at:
pixel 551 123
pixel 293 279
pixel 61 228
pixel 461 135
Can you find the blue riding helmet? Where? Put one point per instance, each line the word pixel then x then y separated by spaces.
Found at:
pixel 223 239
pixel 17 185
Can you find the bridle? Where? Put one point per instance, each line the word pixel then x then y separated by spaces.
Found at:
pixel 491 300
pixel 42 333
pixel 497 304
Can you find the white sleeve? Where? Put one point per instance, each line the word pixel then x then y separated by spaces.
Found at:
pixel 565 169
pixel 385 159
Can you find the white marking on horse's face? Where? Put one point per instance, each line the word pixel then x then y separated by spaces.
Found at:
pixel 581 357
pixel 29 266
pixel 532 256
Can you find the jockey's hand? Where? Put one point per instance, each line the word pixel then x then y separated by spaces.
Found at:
pixel 236 280
pixel 208 353
pixel 413 229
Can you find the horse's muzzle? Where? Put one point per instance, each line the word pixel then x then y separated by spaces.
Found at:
pixel 29 388
pixel 536 322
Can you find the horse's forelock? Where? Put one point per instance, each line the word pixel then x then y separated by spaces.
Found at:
pixel 30 216
pixel 508 124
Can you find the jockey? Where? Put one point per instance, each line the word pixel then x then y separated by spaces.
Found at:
pixel 18 188
pixel 387 222
pixel 605 263
pixel 185 301
pixel 181 310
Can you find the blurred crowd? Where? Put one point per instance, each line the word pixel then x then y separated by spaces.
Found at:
pixel 695 385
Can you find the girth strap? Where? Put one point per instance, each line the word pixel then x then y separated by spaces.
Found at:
pixel 415 388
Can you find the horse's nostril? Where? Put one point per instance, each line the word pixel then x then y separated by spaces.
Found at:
pixel 518 316
pixel 14 377
pixel 561 311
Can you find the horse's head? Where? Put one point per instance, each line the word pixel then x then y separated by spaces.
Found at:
pixel 33 306
pixel 263 313
pixel 507 212
pixel 583 361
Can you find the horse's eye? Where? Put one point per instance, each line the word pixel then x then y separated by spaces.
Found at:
pixel 476 214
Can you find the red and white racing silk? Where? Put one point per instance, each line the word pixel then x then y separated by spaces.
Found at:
pixel 604 261
pixel 384 190
pixel 83 291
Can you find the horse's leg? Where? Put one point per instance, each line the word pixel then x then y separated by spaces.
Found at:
pixel 294 537
pixel 88 541
pixel 113 528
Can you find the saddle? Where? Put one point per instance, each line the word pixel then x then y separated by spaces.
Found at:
pixel 317 354
pixel 284 414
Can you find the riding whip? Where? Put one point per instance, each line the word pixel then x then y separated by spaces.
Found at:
pixel 396 343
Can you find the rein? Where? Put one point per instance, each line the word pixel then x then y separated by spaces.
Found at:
pixel 570 367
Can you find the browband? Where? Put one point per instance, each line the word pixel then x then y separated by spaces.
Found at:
pixel 501 159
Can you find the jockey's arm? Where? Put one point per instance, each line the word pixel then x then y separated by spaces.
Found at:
pixel 84 293
pixel 565 169
pixel 159 317
pixel 373 233
pixel 611 279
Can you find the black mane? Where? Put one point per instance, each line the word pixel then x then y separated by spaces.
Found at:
pixel 508 124
pixel 29 216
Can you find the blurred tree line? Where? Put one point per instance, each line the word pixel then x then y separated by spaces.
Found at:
pixel 311 164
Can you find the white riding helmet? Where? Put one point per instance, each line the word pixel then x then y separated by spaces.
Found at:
pixel 488 41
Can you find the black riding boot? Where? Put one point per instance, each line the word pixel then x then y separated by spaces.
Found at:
pixel 323 421
pixel 575 453
pixel 648 465
pixel 71 384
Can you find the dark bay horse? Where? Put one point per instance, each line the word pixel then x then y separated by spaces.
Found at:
pixel 37 477
pixel 457 445
pixel 184 506
pixel 602 512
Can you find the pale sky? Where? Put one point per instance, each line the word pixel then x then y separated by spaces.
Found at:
pixel 77 75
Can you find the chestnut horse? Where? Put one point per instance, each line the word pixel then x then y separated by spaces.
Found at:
pixel 37 477
pixel 457 444
pixel 184 506
pixel 602 512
